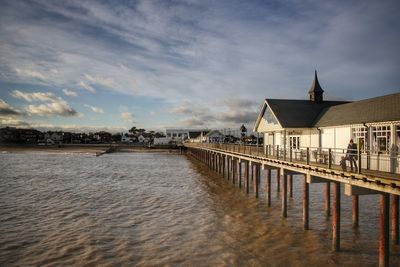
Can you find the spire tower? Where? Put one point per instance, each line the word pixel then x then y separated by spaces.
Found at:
pixel 316 92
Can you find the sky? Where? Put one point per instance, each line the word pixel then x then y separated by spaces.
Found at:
pixel 110 65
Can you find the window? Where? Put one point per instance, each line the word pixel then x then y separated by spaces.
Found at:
pixel 360 137
pixel 398 137
pixel 381 138
pixel 294 142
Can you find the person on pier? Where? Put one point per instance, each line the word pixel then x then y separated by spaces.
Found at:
pixel 352 155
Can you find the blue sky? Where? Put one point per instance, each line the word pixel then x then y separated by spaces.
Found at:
pixel 88 65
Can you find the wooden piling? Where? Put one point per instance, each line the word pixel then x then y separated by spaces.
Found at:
pixel 256 178
pixel 278 181
pixel 328 199
pixel 233 170
pixel 240 174
pixel 246 173
pixel 284 194
pixel 223 166
pixel 268 186
pixel 384 231
pixel 395 219
pixel 306 204
pixel 355 211
pixel 336 218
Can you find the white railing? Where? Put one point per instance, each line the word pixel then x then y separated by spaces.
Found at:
pixel 331 157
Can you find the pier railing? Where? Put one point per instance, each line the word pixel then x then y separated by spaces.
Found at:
pixel 366 161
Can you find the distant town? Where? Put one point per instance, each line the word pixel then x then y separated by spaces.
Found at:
pixel 134 136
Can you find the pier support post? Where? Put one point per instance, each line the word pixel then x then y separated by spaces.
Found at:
pixel 278 181
pixel 223 166
pixel 355 211
pixel 246 173
pixel 284 193
pixel 291 185
pixel 328 199
pixel 395 219
pixel 336 218
pixel 256 179
pixel 306 197
pixel 268 186
pixel 384 232
pixel 228 171
pixel 233 170
pixel 240 174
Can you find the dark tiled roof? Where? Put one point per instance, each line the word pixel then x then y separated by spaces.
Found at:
pixel 378 109
pixel 298 113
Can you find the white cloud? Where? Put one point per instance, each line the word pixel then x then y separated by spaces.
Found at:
pixel 37 96
pixel 6 109
pixel 104 81
pixel 69 92
pixel 87 87
pixel 53 106
pixel 30 74
pixel 13 122
pixel 94 109
pixel 127 116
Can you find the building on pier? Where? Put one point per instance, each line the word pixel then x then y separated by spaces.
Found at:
pixel 374 124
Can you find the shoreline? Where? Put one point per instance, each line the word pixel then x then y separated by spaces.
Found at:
pixel 96 148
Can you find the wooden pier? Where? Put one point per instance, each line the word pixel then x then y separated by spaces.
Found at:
pixel 229 160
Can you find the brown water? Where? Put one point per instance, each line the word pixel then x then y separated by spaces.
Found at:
pixel 161 209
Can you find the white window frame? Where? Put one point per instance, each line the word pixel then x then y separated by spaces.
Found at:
pixel 360 137
pixel 381 132
pixel 294 142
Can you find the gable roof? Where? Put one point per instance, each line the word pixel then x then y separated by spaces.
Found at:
pixel 377 109
pixel 298 113
pixel 214 132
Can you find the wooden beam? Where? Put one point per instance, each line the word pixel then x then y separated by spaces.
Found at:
pixel 352 190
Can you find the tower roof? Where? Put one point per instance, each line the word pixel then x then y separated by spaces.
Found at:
pixel 315 87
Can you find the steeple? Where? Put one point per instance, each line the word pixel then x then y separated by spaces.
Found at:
pixel 316 91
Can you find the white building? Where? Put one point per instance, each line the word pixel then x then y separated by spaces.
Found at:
pixel 214 136
pixel 180 135
pixel 373 124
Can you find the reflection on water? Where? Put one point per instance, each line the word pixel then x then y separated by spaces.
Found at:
pixel 161 209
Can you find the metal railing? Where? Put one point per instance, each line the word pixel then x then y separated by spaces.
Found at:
pixel 332 158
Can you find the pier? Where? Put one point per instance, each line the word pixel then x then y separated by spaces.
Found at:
pixel 230 159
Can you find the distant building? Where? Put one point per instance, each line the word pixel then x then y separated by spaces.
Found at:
pixel 373 124
pixel 214 137
pixel 180 135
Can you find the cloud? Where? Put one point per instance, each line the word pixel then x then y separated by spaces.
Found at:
pixel 37 96
pixel 104 81
pixel 53 106
pixel 87 87
pixel 230 112
pixel 13 122
pixel 6 109
pixel 69 92
pixel 41 126
pixel 127 116
pixel 30 73
pixel 94 109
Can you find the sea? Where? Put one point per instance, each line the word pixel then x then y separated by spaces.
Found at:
pixel 165 209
